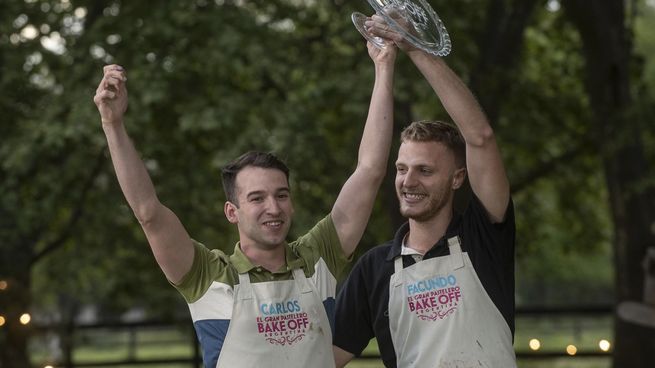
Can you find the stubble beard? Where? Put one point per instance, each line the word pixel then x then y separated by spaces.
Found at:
pixel 435 206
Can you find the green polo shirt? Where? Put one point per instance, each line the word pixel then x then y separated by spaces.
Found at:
pixel 318 253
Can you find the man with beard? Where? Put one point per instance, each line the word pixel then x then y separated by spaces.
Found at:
pixel 270 302
pixel 441 293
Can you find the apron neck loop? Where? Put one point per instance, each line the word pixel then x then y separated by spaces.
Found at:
pixel 246 288
pixel 301 281
pixel 456 255
pixel 397 266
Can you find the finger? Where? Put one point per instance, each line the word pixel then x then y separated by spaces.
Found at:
pixel 110 67
pixel 378 26
pixel 104 96
pixel 114 81
pixel 377 18
pixel 115 69
pixel 116 73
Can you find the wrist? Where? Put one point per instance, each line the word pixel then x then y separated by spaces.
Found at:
pixel 418 53
pixel 111 123
pixel 385 67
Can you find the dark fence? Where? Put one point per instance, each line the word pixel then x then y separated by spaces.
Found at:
pixel 193 357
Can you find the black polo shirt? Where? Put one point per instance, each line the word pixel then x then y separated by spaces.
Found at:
pixel 362 303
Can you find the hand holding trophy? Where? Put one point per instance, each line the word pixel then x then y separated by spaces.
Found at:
pixel 414 20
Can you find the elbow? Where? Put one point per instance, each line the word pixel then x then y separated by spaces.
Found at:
pixel 147 213
pixel 481 137
pixel 374 173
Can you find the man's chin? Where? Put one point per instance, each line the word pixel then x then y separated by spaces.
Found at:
pixel 416 215
pixel 411 213
pixel 275 241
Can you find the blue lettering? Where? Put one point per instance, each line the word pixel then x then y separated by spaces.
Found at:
pixel 431 284
pixel 288 306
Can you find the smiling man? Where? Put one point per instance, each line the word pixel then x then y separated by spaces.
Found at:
pixel 441 293
pixel 270 303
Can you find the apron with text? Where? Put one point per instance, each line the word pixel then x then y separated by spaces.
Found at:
pixel 440 316
pixel 277 324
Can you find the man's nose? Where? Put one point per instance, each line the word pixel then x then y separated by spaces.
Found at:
pixel 272 206
pixel 410 179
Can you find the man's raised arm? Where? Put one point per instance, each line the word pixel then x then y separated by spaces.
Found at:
pixel 483 160
pixel 484 163
pixel 354 204
pixel 168 239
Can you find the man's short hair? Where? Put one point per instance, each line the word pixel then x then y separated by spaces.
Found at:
pixel 437 131
pixel 253 158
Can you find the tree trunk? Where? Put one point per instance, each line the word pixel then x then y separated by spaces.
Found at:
pixel 607 50
pixel 500 47
pixel 14 301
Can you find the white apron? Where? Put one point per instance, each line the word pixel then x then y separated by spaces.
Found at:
pixel 277 324
pixel 440 316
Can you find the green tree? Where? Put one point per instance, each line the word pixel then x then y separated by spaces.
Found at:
pixel 211 79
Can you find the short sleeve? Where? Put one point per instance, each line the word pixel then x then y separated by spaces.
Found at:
pixel 323 242
pixel 208 265
pixel 499 238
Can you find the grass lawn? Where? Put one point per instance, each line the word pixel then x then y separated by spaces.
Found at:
pixel 106 345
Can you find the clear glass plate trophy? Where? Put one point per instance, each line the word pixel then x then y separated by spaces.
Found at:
pixel 415 20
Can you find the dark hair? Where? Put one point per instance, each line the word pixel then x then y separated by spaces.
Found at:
pixel 437 131
pixel 256 159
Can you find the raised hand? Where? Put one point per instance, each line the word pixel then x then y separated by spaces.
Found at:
pixel 385 55
pixel 377 26
pixel 111 94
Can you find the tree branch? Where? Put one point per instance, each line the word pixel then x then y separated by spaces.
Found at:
pixel 546 168
pixel 78 210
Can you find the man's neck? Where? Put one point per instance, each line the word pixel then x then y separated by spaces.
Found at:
pixel 270 259
pixel 423 235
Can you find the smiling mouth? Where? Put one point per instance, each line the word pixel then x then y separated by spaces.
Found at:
pixel 273 224
pixel 413 197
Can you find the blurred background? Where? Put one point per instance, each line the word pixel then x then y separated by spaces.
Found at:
pixel 568 86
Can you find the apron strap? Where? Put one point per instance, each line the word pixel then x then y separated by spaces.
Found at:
pixel 397 267
pixel 245 289
pixel 301 281
pixel 456 255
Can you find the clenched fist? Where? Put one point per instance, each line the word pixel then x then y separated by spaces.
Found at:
pixel 111 95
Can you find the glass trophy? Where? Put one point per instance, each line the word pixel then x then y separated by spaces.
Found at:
pixel 358 20
pixel 415 20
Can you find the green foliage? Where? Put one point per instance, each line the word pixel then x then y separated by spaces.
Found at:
pixel 645 39
pixel 209 80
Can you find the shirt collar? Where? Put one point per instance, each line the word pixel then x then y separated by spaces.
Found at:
pixel 242 263
pixel 407 251
pixel 397 243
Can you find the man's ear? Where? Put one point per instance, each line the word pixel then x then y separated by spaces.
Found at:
pixel 230 210
pixel 459 177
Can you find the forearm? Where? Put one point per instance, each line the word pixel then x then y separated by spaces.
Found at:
pixel 484 164
pixel 456 98
pixel 353 206
pixel 341 357
pixel 132 175
pixel 376 138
